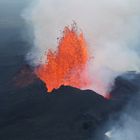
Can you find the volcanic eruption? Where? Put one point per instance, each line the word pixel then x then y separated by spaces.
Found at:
pixel 66 65
pixel 75 110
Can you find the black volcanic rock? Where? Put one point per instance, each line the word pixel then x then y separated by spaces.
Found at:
pixel 126 86
pixel 30 113
pixel 66 113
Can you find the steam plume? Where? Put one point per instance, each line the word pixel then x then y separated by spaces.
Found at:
pixel 127 127
pixel 111 28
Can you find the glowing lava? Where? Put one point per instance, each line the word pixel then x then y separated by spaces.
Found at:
pixel 66 65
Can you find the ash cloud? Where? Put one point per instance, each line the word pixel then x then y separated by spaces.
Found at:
pixel 111 28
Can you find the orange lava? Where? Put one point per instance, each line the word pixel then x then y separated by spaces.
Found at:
pixel 66 65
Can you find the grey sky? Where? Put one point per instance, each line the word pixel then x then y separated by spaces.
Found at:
pixel 10 12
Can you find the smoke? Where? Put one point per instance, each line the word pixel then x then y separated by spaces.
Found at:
pixel 127 127
pixel 111 28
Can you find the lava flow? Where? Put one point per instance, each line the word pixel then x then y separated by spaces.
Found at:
pixel 66 65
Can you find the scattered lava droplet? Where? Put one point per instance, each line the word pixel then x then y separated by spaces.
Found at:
pixel 66 65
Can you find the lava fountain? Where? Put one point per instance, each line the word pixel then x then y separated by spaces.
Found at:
pixel 67 65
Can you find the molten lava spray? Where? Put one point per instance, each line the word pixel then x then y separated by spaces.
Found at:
pixel 66 65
